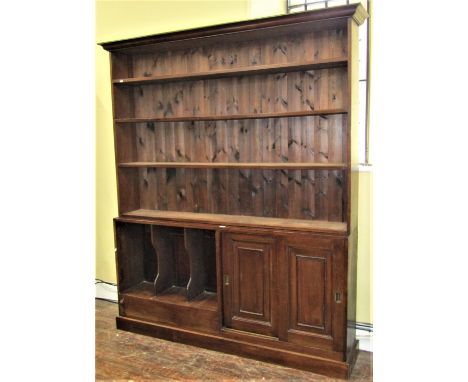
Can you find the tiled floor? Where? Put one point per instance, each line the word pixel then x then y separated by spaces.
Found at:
pixel 122 355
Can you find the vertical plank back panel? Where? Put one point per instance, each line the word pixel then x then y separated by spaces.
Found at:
pixel 299 194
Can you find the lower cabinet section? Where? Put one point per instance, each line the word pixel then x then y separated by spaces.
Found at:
pixel 290 288
pixel 284 292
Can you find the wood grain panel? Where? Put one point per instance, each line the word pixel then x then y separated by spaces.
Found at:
pixel 130 255
pixel 174 218
pixel 315 275
pixel 297 194
pixel 171 308
pixel 166 277
pixel 331 43
pixel 249 269
pixel 250 273
pixel 198 270
pixel 311 279
pixel 322 90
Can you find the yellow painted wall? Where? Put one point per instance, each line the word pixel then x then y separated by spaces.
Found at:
pixel 364 277
pixel 117 20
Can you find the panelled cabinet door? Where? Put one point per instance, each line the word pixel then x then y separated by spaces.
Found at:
pixel 315 291
pixel 249 273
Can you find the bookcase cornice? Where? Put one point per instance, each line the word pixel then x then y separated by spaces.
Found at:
pixel 332 14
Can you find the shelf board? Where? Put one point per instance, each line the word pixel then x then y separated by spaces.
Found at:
pixel 237 165
pixel 239 220
pixel 232 72
pixel 304 113
pixel 174 295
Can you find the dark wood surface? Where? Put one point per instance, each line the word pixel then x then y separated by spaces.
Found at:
pixel 234 148
pixel 184 127
pixel 198 270
pixel 238 165
pixel 220 73
pixel 121 355
pixel 166 259
pixel 170 307
pixel 226 117
pixel 249 264
pixel 199 98
pixel 244 221
pixel 245 347
pixel 316 291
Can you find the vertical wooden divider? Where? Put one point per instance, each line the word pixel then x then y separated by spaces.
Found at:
pixel 198 275
pixel 166 276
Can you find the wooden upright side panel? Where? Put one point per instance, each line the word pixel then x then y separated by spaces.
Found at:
pixel 162 244
pixel 353 183
pixel 130 255
pixel 198 270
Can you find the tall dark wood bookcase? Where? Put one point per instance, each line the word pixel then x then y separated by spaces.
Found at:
pixel 237 226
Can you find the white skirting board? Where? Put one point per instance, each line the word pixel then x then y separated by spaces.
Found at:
pixel 365 339
pixel 109 292
pixel 106 291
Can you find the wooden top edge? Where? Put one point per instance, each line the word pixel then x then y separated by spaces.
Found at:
pixel 356 11
pixel 216 220
pixel 360 15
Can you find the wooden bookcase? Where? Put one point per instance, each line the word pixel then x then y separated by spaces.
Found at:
pixel 237 222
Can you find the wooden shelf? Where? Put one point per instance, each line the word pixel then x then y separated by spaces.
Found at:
pixel 173 295
pixel 236 165
pixel 289 114
pixel 239 220
pixel 232 72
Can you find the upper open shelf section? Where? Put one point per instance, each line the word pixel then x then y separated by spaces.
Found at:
pixel 247 123
pixel 233 72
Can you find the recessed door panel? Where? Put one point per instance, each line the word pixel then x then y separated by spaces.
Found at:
pixel 311 279
pixel 310 291
pixel 248 271
pixel 253 281
pixel 315 292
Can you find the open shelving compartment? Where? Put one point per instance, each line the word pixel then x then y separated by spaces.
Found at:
pixel 282 171
pixel 251 126
pixel 166 269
